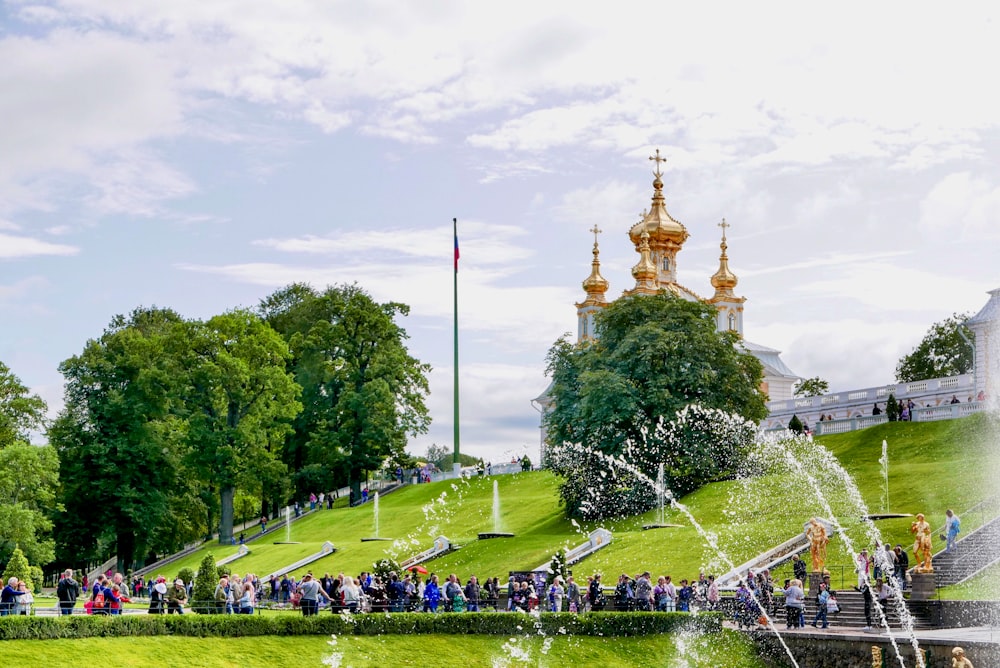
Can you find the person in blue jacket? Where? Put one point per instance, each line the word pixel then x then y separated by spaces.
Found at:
pixel 432 594
pixel 8 597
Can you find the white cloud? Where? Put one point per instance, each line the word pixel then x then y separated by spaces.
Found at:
pixel 964 205
pixel 13 247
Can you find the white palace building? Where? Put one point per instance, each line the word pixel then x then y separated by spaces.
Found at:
pixel 658 238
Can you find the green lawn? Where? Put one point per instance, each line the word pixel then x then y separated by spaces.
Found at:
pixel 932 466
pixel 698 651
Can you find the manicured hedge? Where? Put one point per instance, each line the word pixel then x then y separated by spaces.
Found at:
pixel 485 623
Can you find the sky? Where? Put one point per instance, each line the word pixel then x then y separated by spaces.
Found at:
pixel 201 155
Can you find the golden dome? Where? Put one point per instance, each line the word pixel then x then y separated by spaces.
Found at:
pixel 662 228
pixel 644 271
pixel 724 280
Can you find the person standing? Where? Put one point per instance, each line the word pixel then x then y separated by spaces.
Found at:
pixel 902 565
pixel 67 591
pixel 798 567
pixel 472 591
pixel 952 526
pixel 862 567
pixel 176 598
pixel 573 594
pixel 794 604
pixel 866 593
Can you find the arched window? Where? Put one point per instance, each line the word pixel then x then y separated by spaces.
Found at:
pixel 586 319
pixel 732 321
pixel 666 264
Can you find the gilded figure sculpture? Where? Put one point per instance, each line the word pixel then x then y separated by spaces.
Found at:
pixel 816 533
pixel 958 659
pixel 922 548
pixel 876 656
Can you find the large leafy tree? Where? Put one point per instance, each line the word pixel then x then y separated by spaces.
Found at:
pixel 240 403
pixel 20 412
pixel 121 443
pixel 944 351
pixel 654 356
pixel 29 477
pixel 363 393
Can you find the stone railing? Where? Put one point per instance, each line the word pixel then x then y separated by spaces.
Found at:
pixel 932 398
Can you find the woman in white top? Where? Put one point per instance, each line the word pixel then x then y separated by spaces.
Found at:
pixel 22 604
pixel 351 594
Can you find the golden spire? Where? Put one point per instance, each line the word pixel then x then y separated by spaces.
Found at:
pixel 595 285
pixel 724 280
pixel 644 271
pixel 665 233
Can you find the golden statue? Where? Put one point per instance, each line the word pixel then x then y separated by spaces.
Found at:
pixel 816 533
pixel 876 656
pixel 922 548
pixel 958 659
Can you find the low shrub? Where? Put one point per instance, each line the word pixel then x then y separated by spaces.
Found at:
pixel 485 623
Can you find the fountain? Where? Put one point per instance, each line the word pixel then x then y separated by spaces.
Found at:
pixel 375 515
pixel 288 529
pixel 885 514
pixel 661 500
pixel 496 533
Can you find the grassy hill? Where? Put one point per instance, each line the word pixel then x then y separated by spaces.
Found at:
pixel 932 466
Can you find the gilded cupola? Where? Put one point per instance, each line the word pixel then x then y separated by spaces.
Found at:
pixel 724 280
pixel 596 285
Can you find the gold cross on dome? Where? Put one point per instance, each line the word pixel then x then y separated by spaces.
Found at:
pixel 658 160
pixel 724 225
pixel 596 230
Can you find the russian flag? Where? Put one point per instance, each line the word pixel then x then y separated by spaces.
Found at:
pixel 455 220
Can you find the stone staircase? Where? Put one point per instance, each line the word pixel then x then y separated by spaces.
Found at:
pixel 972 554
pixel 852 612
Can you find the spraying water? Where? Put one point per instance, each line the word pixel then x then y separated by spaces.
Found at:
pixel 709 539
pixel 661 496
pixel 375 512
pixel 496 506
pixel 821 497
pixel 288 524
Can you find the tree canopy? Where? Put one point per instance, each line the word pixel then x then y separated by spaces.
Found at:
pixel 20 411
pixel 945 350
pixel 812 387
pixel 363 393
pixel 653 356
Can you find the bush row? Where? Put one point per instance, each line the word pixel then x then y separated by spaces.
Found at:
pixel 485 623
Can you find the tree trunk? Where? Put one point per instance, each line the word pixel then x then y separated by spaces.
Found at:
pixel 125 544
pixel 226 495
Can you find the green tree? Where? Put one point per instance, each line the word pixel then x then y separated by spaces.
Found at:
pixel 654 355
pixel 240 402
pixel 203 591
pixel 892 408
pixel 363 393
pixel 795 425
pixel 812 387
pixel 944 351
pixel 18 567
pixel 29 478
pixel 20 412
pixel 121 440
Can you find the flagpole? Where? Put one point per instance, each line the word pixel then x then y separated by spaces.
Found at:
pixel 456 465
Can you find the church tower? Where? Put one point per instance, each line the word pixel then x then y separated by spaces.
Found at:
pixel 666 235
pixel 595 286
pixel 729 306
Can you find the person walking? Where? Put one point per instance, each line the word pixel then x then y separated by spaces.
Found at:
pixel 952 526
pixel 821 607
